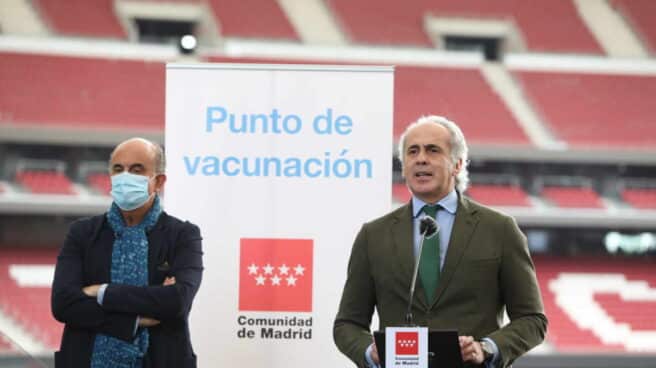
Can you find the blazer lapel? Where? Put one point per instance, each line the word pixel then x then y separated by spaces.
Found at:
pixel 463 228
pixel 155 249
pixel 402 235
pixel 98 257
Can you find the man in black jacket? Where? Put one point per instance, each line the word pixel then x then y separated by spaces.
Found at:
pixel 125 280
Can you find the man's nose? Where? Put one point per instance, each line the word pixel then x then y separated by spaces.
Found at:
pixel 421 156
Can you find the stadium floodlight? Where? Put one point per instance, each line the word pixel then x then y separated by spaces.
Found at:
pixel 188 44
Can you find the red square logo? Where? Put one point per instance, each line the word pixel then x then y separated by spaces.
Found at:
pixel 275 275
pixel 407 343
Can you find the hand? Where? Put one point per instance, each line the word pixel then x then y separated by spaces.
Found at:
pixel 91 290
pixel 470 350
pixel 147 322
pixel 374 353
pixel 169 281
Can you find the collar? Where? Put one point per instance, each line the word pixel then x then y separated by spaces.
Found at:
pixel 448 202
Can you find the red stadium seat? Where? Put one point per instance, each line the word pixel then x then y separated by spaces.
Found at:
pixel 262 19
pixel 401 193
pixel 572 197
pixel 100 182
pixel 5 345
pixel 390 22
pixel 640 314
pixel 92 18
pixel 564 332
pixel 595 110
pixel 641 15
pixel 499 195
pixel 640 198
pixel 83 93
pixel 462 95
pixel 45 182
pixel 29 305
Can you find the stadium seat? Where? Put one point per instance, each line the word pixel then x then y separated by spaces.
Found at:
pixel 640 198
pixel 82 93
pixel 461 94
pixel 401 193
pixel 639 315
pixel 261 19
pixel 401 23
pixel 45 182
pixel 29 305
pixel 100 182
pixel 91 18
pixel 595 110
pixel 564 332
pixel 640 14
pixel 5 345
pixel 572 197
pixel 499 195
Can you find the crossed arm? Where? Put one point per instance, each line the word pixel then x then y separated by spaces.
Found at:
pixel 74 303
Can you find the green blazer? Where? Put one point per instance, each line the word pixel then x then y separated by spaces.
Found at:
pixel 487 268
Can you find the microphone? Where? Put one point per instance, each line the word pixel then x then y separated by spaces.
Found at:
pixel 427 228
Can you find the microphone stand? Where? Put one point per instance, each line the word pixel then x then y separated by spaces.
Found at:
pixel 427 226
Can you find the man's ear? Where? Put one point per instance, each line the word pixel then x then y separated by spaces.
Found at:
pixel 457 167
pixel 160 180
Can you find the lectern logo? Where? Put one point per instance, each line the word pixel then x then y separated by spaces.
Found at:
pixel 275 275
pixel 407 343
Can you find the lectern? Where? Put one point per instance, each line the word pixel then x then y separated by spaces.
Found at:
pixel 443 349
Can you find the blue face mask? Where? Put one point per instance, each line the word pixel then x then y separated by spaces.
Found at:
pixel 130 191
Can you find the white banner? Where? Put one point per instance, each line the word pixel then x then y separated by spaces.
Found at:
pixel 279 165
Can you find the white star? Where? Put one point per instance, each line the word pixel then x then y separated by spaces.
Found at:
pixel 291 280
pixel 252 269
pixel 283 269
pixel 299 269
pixel 275 280
pixel 260 280
pixel 268 269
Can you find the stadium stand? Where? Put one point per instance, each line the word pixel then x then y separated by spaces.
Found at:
pixel 100 182
pixel 420 90
pixel 45 182
pixel 572 197
pixel 90 18
pixel 608 110
pixel 499 195
pixel 640 198
pixel 400 193
pixel 81 92
pixel 566 332
pixel 26 296
pixel 603 110
pixel 637 314
pixel 640 14
pixel 402 23
pixel 238 19
pixel 5 346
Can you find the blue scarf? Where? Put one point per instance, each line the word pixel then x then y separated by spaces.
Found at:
pixel 129 267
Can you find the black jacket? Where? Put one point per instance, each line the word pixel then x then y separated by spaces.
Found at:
pixel 85 259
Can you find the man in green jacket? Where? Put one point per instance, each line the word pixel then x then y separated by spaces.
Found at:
pixel 475 268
